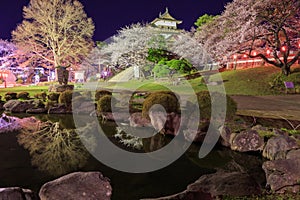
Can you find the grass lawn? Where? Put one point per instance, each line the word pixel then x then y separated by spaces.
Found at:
pixel 252 81
pixel 32 90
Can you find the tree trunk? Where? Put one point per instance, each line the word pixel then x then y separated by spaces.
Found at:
pixel 286 70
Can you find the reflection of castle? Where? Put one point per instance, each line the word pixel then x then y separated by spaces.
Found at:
pixel 166 24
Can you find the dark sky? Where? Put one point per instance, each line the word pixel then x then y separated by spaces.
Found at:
pixel 110 15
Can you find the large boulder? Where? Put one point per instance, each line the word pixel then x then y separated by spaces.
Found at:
pixel 137 120
pixel 166 123
pixel 17 106
pixel 16 193
pixel 78 185
pixel 37 110
pixel 278 146
pixel 59 109
pixel 283 175
pixel 247 141
pixel 212 186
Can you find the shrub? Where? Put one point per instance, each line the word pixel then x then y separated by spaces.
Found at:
pixel 204 102
pixel 101 93
pixel 167 99
pixel 20 81
pixel 53 96
pixel 10 95
pixel 66 98
pixel 23 95
pixel 105 103
pixel 42 96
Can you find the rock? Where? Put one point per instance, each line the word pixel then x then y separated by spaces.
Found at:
pixel 166 123
pixel 36 110
pixel 277 147
pixel 16 193
pixel 16 106
pixel 225 134
pixel 60 109
pixel 137 120
pixel 226 183
pixel 78 185
pixel 293 155
pixel 9 124
pixel 283 175
pixel 211 186
pixel 247 141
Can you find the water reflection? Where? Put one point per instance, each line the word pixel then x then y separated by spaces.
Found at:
pixel 53 149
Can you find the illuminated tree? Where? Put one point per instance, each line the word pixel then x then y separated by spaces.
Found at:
pixel 57 31
pixel 268 28
pixel 7 50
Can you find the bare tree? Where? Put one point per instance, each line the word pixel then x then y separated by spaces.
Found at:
pixel 257 28
pixel 55 30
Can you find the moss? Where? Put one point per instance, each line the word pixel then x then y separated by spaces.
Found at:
pixel 53 96
pixel 42 96
pixel 23 95
pixel 101 93
pixel 66 98
pixel 10 95
pixel 105 103
pixel 265 133
pixel 167 99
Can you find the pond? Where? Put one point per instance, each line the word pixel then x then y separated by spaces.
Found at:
pixel 20 168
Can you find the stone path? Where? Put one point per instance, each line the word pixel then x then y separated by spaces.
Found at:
pixel 287 106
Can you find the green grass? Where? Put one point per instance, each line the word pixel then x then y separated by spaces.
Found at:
pixel 256 81
pixel 252 81
pixel 32 90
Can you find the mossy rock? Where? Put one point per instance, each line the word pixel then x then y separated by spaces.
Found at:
pixel 66 98
pixel 101 93
pixel 166 99
pixel 10 96
pixel 23 95
pixel 53 96
pixel 105 103
pixel 42 96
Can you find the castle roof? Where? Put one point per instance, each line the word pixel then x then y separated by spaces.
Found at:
pixel 166 16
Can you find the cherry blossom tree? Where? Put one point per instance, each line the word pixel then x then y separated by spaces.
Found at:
pixel 132 44
pixel 265 29
pixel 7 50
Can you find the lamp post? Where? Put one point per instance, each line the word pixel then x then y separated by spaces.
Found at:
pixel 235 61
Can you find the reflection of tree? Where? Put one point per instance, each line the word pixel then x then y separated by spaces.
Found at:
pixel 53 149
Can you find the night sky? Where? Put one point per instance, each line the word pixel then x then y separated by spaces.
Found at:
pixel 110 15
